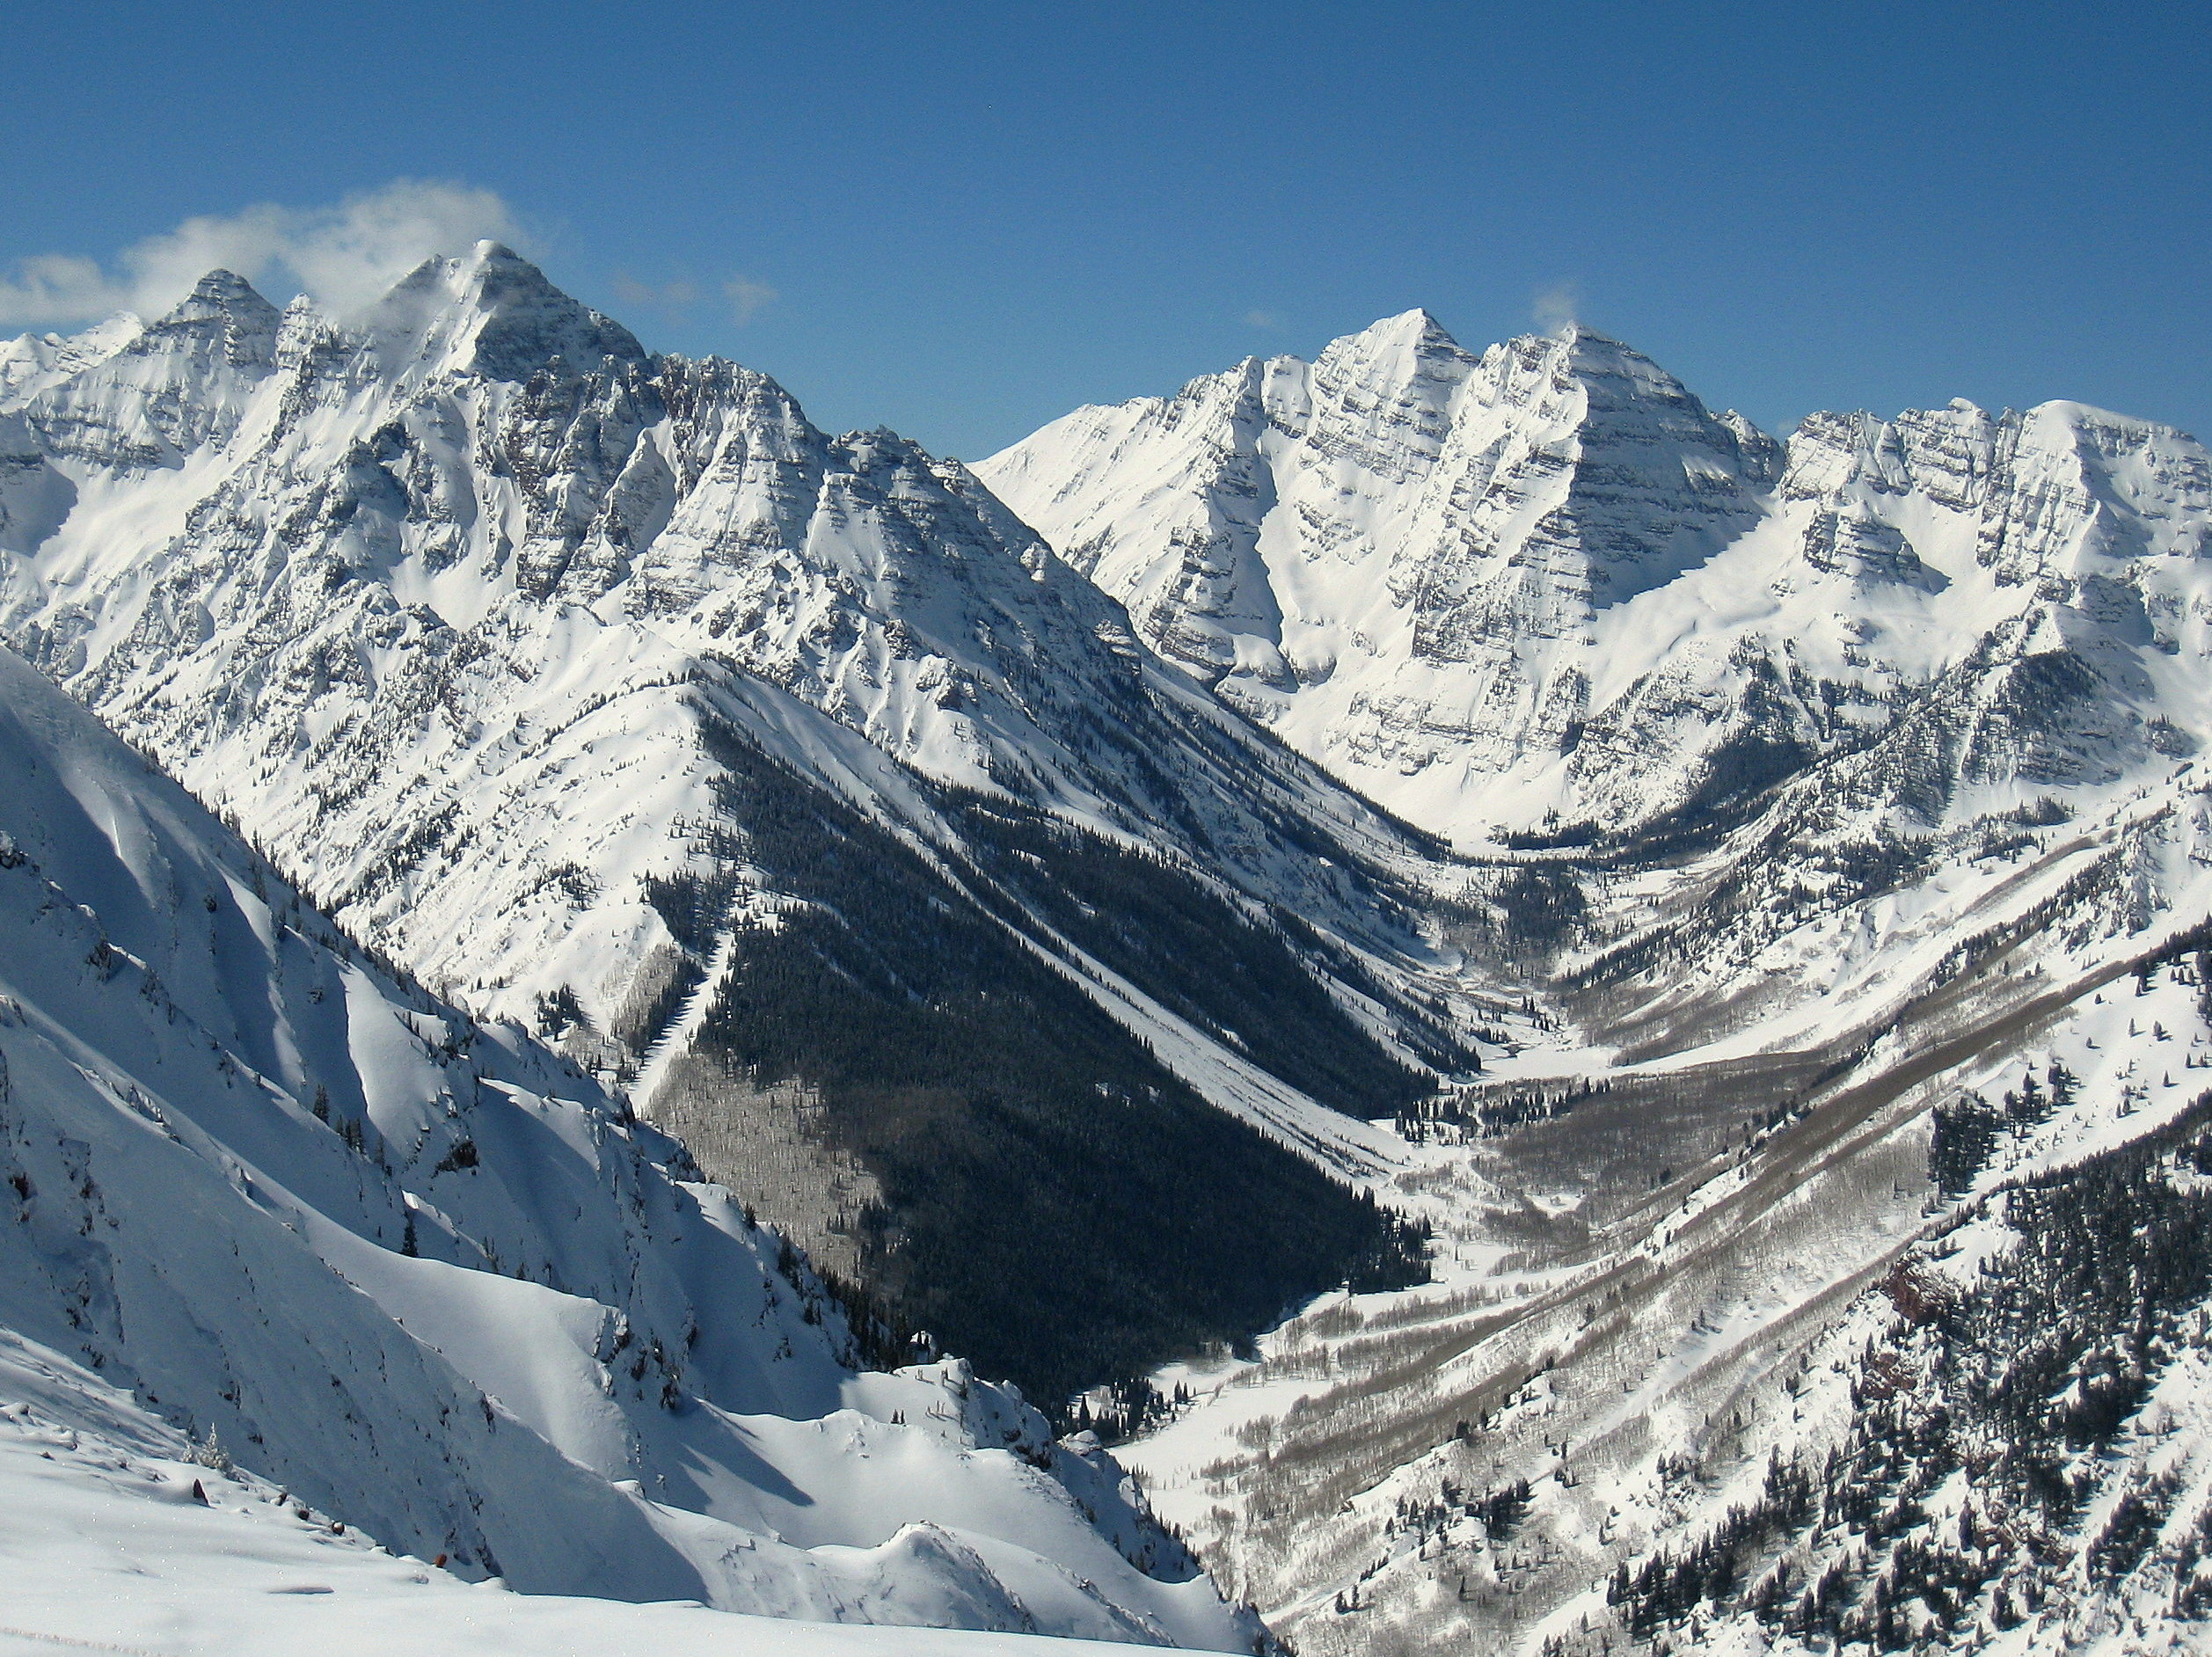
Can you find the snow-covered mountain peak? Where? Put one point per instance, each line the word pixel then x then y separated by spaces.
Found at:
pixel 1382 553
pixel 1550 583
pixel 492 311
pixel 31 362
pixel 221 312
pixel 1410 345
pixel 1601 393
pixel 1616 375
pixel 2057 490
pixel 174 384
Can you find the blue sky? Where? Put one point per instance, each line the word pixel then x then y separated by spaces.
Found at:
pixel 961 221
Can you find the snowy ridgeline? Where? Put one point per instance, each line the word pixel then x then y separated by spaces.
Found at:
pixel 1542 588
pixel 262 1203
pixel 1809 793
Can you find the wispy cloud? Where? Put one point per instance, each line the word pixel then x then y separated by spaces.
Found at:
pixel 747 296
pixel 672 298
pixel 675 298
pixel 1554 307
pixel 1262 319
pixel 346 255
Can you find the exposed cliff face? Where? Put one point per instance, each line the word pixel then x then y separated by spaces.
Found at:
pixel 1547 589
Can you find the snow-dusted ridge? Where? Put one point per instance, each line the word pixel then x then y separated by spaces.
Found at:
pixel 1829 788
pixel 1798 792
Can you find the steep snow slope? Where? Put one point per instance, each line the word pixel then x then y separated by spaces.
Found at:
pixel 559 673
pixel 1546 588
pixel 117 1537
pixel 422 1274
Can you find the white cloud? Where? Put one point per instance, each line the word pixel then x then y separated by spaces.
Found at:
pixel 1262 319
pixel 747 296
pixel 1556 306
pixel 346 255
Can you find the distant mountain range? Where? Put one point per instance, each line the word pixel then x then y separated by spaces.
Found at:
pixel 1545 588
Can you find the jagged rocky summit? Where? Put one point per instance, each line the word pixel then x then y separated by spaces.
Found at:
pixel 1546 589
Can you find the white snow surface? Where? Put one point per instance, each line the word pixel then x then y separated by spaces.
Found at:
pixel 109 1548
pixel 425 1277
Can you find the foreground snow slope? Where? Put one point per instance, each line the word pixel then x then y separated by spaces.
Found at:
pixel 423 1276
pixel 107 1546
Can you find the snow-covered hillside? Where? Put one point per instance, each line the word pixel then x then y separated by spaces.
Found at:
pixel 263 1203
pixel 1545 588
pixel 1016 927
pixel 559 673
pixel 118 1536
pixel 1879 1316
pixel 1838 803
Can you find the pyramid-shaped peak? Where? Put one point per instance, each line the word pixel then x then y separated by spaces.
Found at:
pixel 495 265
pixel 226 287
pixel 1415 330
pixel 1400 352
pixel 1585 347
pixel 222 312
pixel 495 312
pixel 489 266
pixel 219 292
pixel 1617 370
pixel 1579 336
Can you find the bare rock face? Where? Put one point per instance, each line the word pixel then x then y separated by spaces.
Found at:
pixel 1546 588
